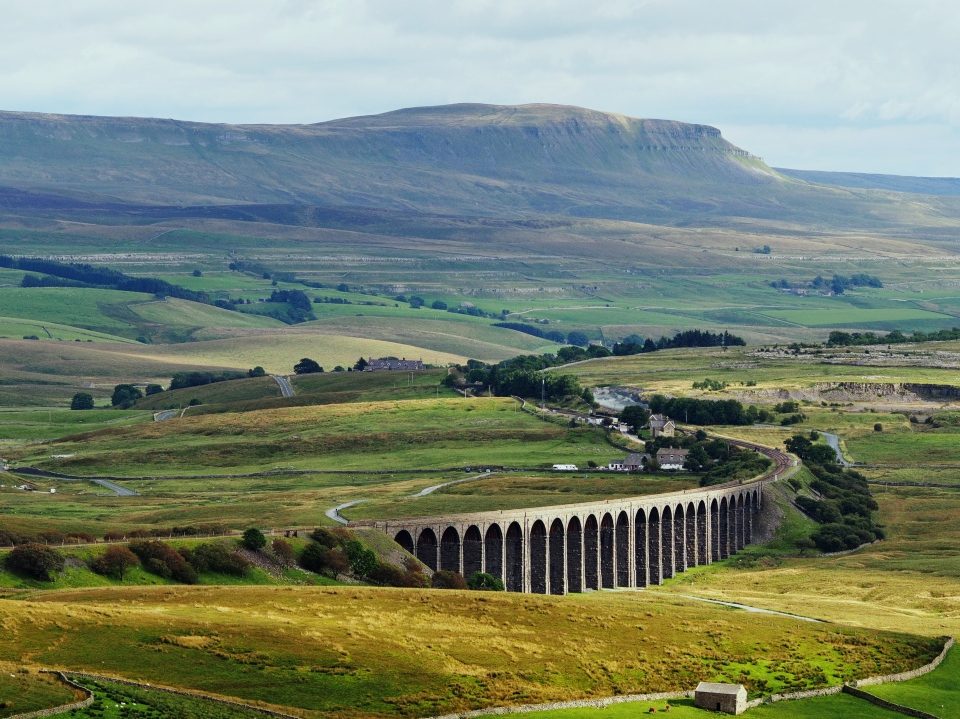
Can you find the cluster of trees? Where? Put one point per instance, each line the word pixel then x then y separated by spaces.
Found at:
pixel 708 411
pixel 298 305
pixel 845 339
pixel 838 284
pixel 712 385
pixel 335 552
pixel 521 376
pixel 76 274
pixel 307 366
pixel 845 507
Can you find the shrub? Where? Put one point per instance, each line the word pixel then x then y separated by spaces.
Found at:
pixel 115 562
pixel 362 560
pixel 35 560
pixel 283 551
pixel 217 557
pixel 878 427
pixel 485 582
pixel 124 395
pixel 446 579
pixel 82 400
pixel 163 560
pixel 254 540
pixel 307 366
pixel 154 389
pixel 329 561
pixel 324 537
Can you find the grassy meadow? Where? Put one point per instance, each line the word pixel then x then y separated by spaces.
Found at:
pixel 114 700
pixel 673 371
pixel 380 436
pixel 408 653
pixel 24 689
pixel 326 388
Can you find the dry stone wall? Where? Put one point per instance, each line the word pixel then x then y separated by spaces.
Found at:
pixel 53 711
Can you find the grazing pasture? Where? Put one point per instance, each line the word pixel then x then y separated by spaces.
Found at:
pixel 394 652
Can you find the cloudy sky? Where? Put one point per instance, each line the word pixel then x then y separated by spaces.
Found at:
pixel 860 85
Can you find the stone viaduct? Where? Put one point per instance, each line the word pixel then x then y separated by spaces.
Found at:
pixel 628 542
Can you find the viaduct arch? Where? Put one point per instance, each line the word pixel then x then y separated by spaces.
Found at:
pixel 633 542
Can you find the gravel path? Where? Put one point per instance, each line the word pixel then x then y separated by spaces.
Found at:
pixel 334 512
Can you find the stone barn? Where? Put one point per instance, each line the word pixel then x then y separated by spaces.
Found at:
pixel 726 698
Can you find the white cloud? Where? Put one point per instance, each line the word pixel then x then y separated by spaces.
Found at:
pixel 774 76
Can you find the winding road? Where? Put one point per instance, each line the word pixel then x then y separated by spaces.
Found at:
pixel 286 387
pixel 834 442
pixel 334 512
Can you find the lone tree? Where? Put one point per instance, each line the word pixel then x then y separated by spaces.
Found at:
pixel 253 539
pixel 257 371
pixel 82 400
pixel 35 560
pixel 124 395
pixel 635 415
pixel 307 366
pixel 115 562
pixel 360 365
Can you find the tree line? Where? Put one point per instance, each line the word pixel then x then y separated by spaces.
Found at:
pixel 844 506
pixel 895 337
pixel 77 274
pixel 838 284
pixel 708 411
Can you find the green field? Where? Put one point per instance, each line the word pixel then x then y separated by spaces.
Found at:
pixel 25 690
pixel 673 371
pixel 935 692
pixel 322 388
pixel 413 434
pixel 329 650
pixel 841 705
pixel 114 700
pixel 30 425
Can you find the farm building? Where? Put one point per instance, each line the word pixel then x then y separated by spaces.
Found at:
pixel 662 426
pixel 631 463
pixel 564 468
pixel 669 458
pixel 392 364
pixel 726 698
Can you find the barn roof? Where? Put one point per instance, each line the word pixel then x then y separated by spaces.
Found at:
pixel 715 688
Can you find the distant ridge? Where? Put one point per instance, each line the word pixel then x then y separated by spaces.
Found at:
pixel 463 160
pixel 944 186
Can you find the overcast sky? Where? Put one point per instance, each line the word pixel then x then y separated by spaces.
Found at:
pixel 859 85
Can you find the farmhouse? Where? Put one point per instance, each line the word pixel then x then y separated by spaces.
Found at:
pixel 392 364
pixel 726 698
pixel 662 426
pixel 669 458
pixel 631 463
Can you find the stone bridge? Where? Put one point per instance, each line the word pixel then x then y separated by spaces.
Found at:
pixel 628 542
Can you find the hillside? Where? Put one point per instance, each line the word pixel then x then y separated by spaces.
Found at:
pixel 462 160
pixel 947 186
